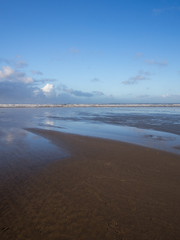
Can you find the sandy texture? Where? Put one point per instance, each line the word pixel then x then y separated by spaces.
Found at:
pixel 106 190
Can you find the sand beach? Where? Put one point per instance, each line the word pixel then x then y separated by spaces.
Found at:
pixel 104 190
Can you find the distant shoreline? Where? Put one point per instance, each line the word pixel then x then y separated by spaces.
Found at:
pixel 86 105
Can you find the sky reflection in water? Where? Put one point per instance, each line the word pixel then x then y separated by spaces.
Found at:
pixel 133 125
pixel 20 146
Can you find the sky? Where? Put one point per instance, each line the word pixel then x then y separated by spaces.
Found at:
pixel 89 51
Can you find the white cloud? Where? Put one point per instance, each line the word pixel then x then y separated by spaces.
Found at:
pixel 16 62
pixel 141 76
pixel 7 74
pixel 21 64
pixel 165 95
pixel 36 72
pixel 162 63
pixel 139 55
pixel 79 93
pixel 45 80
pixel 36 92
pixel 153 62
pixel 95 80
pixel 171 97
pixel 74 51
pixel 48 89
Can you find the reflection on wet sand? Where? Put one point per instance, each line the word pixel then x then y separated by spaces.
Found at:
pixel 103 190
pixel 18 146
pixel 61 186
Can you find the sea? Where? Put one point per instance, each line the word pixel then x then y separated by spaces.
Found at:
pixel 154 126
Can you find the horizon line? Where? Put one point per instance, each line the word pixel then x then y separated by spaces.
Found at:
pixel 29 105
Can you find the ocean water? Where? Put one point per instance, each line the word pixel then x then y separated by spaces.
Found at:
pixel 150 126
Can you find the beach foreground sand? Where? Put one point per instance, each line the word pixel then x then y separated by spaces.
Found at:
pixel 105 190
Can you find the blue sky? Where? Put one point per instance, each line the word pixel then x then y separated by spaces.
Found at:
pixel 82 51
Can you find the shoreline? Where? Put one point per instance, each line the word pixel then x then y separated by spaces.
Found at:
pixel 105 190
pixel 48 134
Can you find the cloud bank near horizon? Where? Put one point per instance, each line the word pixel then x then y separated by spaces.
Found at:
pixel 17 86
pixel 20 85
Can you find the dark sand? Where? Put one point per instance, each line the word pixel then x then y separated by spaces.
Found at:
pixel 106 190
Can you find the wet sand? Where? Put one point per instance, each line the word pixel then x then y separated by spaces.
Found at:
pixel 105 190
